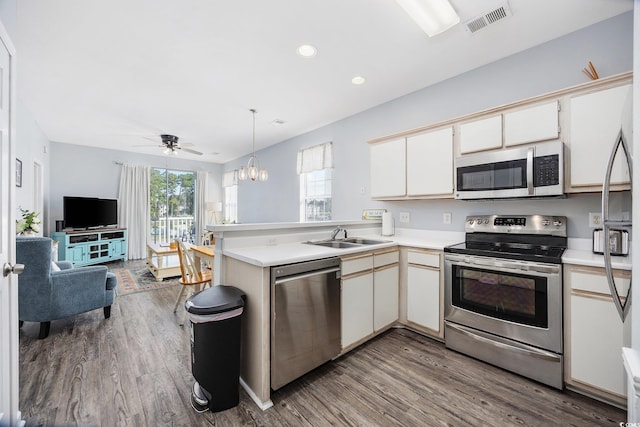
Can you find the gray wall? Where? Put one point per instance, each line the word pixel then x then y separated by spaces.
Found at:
pixel 94 172
pixel 551 66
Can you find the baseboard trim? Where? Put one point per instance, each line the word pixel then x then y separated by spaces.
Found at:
pixel 262 405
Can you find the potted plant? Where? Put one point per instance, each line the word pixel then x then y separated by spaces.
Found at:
pixel 28 225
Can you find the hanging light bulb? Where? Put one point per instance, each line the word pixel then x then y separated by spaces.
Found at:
pixel 253 171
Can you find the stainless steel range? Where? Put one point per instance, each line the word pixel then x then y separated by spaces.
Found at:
pixel 503 293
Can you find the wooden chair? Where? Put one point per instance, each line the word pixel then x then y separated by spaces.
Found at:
pixel 192 277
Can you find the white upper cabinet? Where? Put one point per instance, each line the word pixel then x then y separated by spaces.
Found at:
pixel 594 123
pixel 430 163
pixel 538 123
pixel 479 135
pixel 388 168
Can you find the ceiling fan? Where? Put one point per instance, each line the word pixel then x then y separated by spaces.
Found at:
pixel 170 144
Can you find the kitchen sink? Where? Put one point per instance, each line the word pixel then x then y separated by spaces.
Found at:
pixel 362 241
pixel 351 242
pixel 335 244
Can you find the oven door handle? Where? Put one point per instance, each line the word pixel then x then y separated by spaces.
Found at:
pixel 504 264
pixel 540 354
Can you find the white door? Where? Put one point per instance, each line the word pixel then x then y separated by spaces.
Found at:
pixel 9 414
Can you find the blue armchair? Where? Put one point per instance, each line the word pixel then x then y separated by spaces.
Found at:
pixel 45 294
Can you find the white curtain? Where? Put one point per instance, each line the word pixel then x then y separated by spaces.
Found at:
pixel 315 158
pixel 201 208
pixel 133 208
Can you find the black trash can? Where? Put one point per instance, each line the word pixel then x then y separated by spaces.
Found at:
pixel 215 315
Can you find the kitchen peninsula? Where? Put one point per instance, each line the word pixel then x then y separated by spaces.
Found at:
pixel 246 253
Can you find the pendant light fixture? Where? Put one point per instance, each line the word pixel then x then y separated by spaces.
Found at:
pixel 253 171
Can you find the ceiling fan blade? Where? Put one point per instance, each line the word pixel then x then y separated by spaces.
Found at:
pixel 188 150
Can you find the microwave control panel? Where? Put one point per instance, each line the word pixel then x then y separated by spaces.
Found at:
pixel 546 170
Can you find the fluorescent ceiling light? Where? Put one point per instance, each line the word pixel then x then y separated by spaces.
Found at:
pixel 433 16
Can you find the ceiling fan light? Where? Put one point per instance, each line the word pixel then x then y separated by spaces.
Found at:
pixel 167 151
pixel 433 16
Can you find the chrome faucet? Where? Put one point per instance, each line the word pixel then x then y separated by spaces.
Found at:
pixel 337 230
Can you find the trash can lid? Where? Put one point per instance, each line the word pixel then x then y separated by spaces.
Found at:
pixel 216 299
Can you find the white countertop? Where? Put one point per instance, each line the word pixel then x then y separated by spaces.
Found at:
pixel 578 253
pixel 588 258
pixel 288 253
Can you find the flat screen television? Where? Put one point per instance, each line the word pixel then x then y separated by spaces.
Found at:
pixel 89 212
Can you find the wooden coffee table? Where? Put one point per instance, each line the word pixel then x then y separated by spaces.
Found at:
pixel 159 262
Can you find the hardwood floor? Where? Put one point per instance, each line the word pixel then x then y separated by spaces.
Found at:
pixel 134 370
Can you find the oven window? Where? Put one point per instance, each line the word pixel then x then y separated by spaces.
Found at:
pixel 493 176
pixel 513 297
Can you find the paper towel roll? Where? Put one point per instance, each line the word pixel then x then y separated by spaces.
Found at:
pixel 387 224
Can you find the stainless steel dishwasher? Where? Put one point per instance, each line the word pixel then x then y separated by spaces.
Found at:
pixel 305 318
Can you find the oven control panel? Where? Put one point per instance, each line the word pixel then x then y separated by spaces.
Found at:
pixel 520 224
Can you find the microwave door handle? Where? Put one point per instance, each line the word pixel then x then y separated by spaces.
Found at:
pixel 530 171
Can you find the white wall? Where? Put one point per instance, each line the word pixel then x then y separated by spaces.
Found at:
pixel 94 172
pixel 32 146
pixel 551 66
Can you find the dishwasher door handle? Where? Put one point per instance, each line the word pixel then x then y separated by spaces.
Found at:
pixel 305 275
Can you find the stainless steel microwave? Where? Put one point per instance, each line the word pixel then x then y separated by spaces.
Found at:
pixel 529 171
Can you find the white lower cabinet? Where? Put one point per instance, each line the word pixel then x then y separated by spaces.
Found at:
pixel 357 308
pixel 357 298
pixel 596 333
pixel 370 293
pixel 423 290
pixel 386 293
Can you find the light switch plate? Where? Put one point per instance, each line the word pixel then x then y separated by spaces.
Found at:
pixel 446 218
pixel 405 217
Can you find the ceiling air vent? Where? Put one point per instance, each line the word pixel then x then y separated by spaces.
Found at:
pixel 482 21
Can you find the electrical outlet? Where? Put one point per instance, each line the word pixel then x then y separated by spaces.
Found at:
pixel 446 218
pixel 405 217
pixel 595 219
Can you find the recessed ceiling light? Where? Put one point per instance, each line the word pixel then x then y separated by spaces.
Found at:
pixel 358 80
pixel 307 51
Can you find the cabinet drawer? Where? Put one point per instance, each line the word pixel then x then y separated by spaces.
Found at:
pixel 385 258
pixel 596 281
pixel 356 264
pixel 429 259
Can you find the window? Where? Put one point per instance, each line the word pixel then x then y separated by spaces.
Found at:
pixel 230 185
pixel 314 167
pixel 315 196
pixel 172 205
